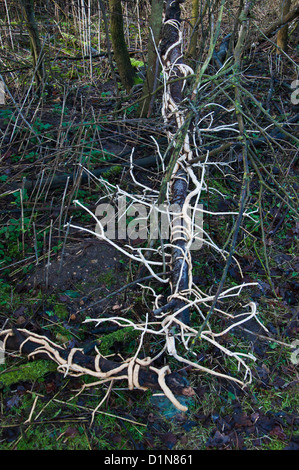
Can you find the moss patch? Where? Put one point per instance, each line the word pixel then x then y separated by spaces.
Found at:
pixel 124 335
pixel 31 371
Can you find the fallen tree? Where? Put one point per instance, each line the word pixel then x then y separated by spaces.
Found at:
pixel 182 187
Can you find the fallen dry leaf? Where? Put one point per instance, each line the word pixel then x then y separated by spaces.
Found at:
pixel 188 392
pixel 116 307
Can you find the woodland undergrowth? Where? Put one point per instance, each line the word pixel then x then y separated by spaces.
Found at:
pixel 234 134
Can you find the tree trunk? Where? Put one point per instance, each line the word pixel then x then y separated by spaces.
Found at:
pixel 153 66
pixel 108 44
pixel 35 44
pixel 121 55
pixel 292 15
pixel 282 35
pixel 172 59
pixel 40 347
pixel 194 35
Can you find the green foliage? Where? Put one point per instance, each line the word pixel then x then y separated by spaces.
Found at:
pixel 7 115
pixel 59 310
pixel 51 437
pixel 5 292
pixel 10 237
pixel 138 80
pixel 137 63
pixel 40 126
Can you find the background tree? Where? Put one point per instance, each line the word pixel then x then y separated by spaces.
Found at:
pixel 155 26
pixel 121 54
pixel 271 30
pixel 35 44
pixel 282 35
pixel 194 22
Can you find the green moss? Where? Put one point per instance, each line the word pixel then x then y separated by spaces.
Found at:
pixel 124 335
pixel 274 444
pixel 30 371
pixel 114 171
pixel 51 437
pixel 108 278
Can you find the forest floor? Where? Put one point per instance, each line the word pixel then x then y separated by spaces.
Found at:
pixel 51 282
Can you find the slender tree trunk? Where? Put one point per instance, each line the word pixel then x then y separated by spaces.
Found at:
pixel 153 66
pixel 282 35
pixel 194 23
pixel 292 15
pixel 198 13
pixel 121 55
pixel 108 45
pixel 35 44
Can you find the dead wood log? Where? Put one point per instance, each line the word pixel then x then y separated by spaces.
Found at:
pixel 75 362
pixel 172 61
pixel 58 181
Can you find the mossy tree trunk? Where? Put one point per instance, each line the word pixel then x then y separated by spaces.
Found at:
pixel 282 35
pixel 153 66
pixel 108 43
pixel 194 23
pixel 120 51
pixel 199 11
pixel 35 44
